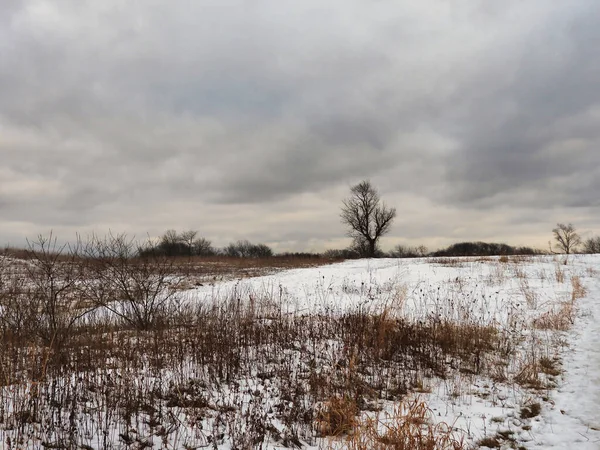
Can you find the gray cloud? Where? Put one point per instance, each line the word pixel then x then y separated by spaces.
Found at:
pixel 159 115
pixel 526 126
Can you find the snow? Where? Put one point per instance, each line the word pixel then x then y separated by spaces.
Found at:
pixel 507 295
pixel 574 421
pixel 571 413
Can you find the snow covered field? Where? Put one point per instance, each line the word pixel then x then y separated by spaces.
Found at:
pixel 510 296
pixel 503 351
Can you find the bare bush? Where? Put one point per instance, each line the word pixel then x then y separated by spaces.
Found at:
pixel 246 249
pixel 52 297
pixel 186 243
pixel 203 247
pixel 403 251
pixel 135 288
pixel 592 245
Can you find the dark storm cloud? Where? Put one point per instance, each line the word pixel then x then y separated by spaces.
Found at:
pixel 184 114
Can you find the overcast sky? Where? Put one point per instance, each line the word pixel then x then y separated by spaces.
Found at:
pixel 476 119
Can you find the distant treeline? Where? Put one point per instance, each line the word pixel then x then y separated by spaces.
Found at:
pixel 189 243
pixel 460 249
pixel 484 249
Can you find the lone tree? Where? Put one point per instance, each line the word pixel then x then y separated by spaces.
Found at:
pixel 566 237
pixel 366 216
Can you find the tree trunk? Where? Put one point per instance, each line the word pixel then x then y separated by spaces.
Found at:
pixel 372 248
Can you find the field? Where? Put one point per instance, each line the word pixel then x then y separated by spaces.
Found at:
pixel 446 353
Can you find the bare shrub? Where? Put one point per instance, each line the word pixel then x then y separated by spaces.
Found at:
pixel 592 245
pixel 17 312
pixel 52 297
pixel 136 289
pixel 403 251
pixel 246 249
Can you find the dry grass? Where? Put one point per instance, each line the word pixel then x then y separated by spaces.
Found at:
pixel 198 268
pixel 531 410
pixel 245 267
pixel 559 318
pixel 409 427
pixel 336 416
pixel 201 363
pixel 490 442
pixel 550 366
pixel 529 376
pixel 579 291
pixel 531 297
pixel 562 316
pixel 195 359
pixel 449 261
pixel 559 273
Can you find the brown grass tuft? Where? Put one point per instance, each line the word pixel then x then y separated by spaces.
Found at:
pixel 409 427
pixel 579 290
pixel 336 417
pixel 559 273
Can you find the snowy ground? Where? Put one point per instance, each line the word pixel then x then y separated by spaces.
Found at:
pixel 515 297
pixel 574 419
pixel 570 416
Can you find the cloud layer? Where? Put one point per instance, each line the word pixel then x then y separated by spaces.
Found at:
pixel 251 119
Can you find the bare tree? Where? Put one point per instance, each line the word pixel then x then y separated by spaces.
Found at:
pixel 203 247
pixel 566 237
pixel 592 245
pixel 366 216
pixel 171 237
pixel 246 249
pixel 188 238
pixel 171 244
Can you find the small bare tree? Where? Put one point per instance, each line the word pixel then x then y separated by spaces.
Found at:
pixel 54 273
pixel 203 247
pixel 566 237
pixel 188 238
pixel 136 289
pixel 171 244
pixel 366 216
pixel 592 245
